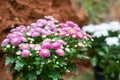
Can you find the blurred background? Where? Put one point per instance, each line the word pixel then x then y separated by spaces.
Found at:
pixel 82 12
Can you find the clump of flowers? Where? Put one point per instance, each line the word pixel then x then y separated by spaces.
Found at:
pixel 43 50
pixel 106 46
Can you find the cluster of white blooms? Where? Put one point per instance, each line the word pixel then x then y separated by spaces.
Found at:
pixel 102 29
pixel 112 41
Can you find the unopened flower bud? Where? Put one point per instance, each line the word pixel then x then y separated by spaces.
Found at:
pixel 67 46
pixel 29 66
pixel 57 62
pixel 117 61
pixel 13 46
pixel 86 38
pixel 81 44
pixel 66 58
pixel 31 42
pixel 43 36
pixel 67 49
pixel 75 46
pixel 53 40
pixel 5 49
pixel 56 57
pixel 67 34
pixel 18 52
pixel 49 61
pixel 65 68
pixel 92 39
pixel 61 47
pixel 37 51
pixel 41 66
pixel 31 39
pixel 56 34
pixel 73 36
pixel 30 54
pixel 8 46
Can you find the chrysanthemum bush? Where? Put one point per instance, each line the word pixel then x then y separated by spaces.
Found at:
pixel 106 47
pixel 43 50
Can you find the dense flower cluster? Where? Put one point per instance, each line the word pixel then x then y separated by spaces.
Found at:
pixel 105 30
pixel 106 46
pixel 25 37
pixel 112 41
pixel 45 47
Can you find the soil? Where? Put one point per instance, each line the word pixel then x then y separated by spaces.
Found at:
pixel 16 12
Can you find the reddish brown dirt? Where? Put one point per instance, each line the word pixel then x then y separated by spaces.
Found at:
pixel 16 12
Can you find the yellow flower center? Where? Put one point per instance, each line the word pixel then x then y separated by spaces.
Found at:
pixel 60 50
pixel 71 31
pixel 79 34
pixel 62 33
pixel 44 51
pixel 25 51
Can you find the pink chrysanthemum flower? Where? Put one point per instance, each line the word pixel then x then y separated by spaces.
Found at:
pixel 44 53
pixel 79 35
pixel 62 33
pixel 25 53
pixel 5 42
pixel 55 45
pixel 61 42
pixel 15 41
pixel 60 52
pixel 35 34
pixel 24 46
pixel 46 45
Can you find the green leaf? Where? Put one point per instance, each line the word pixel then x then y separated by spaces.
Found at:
pixel 19 65
pixel 101 53
pixel 72 51
pixel 62 64
pixel 82 56
pixel 54 75
pixel 10 68
pixel 94 61
pixel 38 72
pixel 31 76
pixel 9 59
pixel 72 66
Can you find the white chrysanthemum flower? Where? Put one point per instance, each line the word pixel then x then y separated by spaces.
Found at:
pixel 114 26
pixel 119 36
pixel 112 41
pixel 101 33
pixel 89 28
pixel 104 26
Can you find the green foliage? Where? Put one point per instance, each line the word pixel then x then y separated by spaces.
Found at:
pixel 35 67
pixel 96 9
pixel 104 55
pixel 9 60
